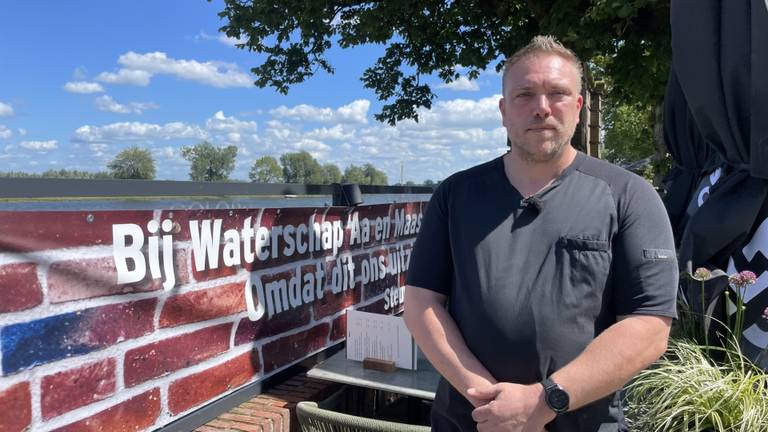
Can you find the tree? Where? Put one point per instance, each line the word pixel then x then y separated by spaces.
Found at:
pixel 365 175
pixel 266 170
pixel 427 37
pixel 133 163
pixel 354 174
pixel 374 176
pixel 210 163
pixel 331 174
pixel 429 182
pixel 75 174
pixel 301 167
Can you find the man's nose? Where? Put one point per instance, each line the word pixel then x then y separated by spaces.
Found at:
pixel 541 106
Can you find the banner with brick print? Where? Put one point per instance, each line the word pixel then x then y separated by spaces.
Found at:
pixel 132 319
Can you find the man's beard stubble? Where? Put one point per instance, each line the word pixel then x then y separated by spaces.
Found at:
pixel 535 157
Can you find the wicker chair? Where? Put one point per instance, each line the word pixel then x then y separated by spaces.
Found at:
pixel 315 417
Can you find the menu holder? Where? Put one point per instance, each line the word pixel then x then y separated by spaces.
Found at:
pixel 378 340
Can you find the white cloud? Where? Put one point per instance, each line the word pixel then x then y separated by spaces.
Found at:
pixel 221 123
pixel 106 103
pixel 22 132
pixel 5 133
pixel 40 146
pixel 461 84
pixel 338 132
pixel 83 87
pixel 126 76
pixel 5 109
pixel 355 112
pixel 135 131
pixel 221 38
pixel 460 113
pixel 138 69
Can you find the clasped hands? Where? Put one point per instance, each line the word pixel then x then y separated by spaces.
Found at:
pixel 510 407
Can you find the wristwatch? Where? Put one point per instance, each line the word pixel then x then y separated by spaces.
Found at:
pixel 556 397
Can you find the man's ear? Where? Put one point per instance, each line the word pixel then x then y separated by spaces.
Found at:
pixel 580 101
pixel 501 108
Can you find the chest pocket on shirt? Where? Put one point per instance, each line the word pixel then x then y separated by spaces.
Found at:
pixel 582 272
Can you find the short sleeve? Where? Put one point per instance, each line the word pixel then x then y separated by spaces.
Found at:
pixel 431 263
pixel 645 268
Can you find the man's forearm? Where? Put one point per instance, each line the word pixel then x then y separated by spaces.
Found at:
pixel 613 358
pixel 439 338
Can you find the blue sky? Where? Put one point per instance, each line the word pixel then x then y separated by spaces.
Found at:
pixel 82 80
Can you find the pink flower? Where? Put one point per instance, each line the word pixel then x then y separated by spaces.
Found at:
pixel 742 279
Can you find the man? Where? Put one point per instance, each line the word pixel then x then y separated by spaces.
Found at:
pixel 558 270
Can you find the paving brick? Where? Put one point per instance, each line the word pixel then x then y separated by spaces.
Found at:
pixel 229 425
pixel 19 287
pixel 135 414
pixel 201 387
pixel 168 355
pixel 16 411
pixel 41 341
pixel 203 305
pixel 287 349
pixel 54 230
pixel 71 389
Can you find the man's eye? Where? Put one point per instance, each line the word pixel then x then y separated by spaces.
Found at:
pixel 524 94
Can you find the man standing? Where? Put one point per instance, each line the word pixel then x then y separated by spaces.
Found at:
pixel 558 270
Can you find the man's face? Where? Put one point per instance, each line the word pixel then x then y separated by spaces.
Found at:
pixel 540 106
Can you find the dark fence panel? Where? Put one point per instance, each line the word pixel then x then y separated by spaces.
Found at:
pixel 60 188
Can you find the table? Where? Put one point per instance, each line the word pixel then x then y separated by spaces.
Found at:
pixel 420 383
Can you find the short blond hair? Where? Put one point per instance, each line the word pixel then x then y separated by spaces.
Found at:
pixel 543 44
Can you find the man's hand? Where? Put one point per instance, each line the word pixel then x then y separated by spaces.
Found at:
pixel 511 408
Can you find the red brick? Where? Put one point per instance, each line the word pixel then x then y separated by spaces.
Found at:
pixel 372 212
pixel 249 331
pixel 375 288
pixel 204 386
pixel 375 307
pixel 230 219
pixel 114 323
pixel 285 350
pixel 71 389
pixel 16 411
pixel 409 208
pixel 163 357
pixel 86 278
pixel 19 287
pixel 203 305
pixel 136 414
pixel 339 328
pixel 294 216
pixel 332 303
pixel 36 230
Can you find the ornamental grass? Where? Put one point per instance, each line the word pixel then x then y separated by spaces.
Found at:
pixel 697 386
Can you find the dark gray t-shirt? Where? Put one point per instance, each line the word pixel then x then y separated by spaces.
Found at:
pixel 532 282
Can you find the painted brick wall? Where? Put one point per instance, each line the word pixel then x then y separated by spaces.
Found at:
pixel 81 352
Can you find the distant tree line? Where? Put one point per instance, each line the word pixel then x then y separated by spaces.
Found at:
pixel 209 162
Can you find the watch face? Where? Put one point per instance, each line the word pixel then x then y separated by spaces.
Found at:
pixel 558 399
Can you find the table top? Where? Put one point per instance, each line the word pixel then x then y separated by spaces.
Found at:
pixel 421 382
